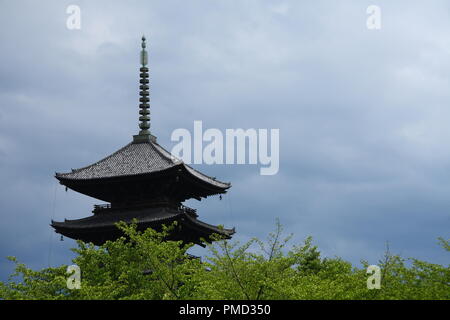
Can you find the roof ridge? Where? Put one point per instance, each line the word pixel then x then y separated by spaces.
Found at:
pixel 205 175
pixel 211 226
pixel 159 149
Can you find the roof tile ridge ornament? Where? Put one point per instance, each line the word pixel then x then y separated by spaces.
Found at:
pixel 144 106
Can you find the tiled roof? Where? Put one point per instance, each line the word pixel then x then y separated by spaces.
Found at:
pixel 109 219
pixel 135 159
pixel 146 216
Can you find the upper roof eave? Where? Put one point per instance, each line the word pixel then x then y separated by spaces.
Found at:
pixel 132 160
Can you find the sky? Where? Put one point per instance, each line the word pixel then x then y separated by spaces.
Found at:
pixel 362 115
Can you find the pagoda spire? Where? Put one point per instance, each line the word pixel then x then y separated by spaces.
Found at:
pixel 144 106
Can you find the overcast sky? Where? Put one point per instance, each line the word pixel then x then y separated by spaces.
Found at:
pixel 363 115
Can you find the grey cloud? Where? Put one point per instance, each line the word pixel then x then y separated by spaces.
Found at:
pixel 362 114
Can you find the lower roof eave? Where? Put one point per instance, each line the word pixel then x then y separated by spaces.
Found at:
pixel 70 228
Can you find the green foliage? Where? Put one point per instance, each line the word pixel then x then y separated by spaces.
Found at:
pixel 143 265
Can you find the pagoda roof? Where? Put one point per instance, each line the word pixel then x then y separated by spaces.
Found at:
pixel 136 158
pixel 101 227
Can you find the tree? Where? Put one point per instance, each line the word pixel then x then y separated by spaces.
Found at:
pixel 144 265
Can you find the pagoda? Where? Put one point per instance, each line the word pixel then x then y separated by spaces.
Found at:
pixel 141 181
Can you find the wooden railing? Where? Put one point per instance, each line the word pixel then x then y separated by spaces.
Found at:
pixel 101 207
pixel 188 210
pixel 107 206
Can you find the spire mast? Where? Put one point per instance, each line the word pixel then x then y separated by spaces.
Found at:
pixel 144 93
pixel 144 106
